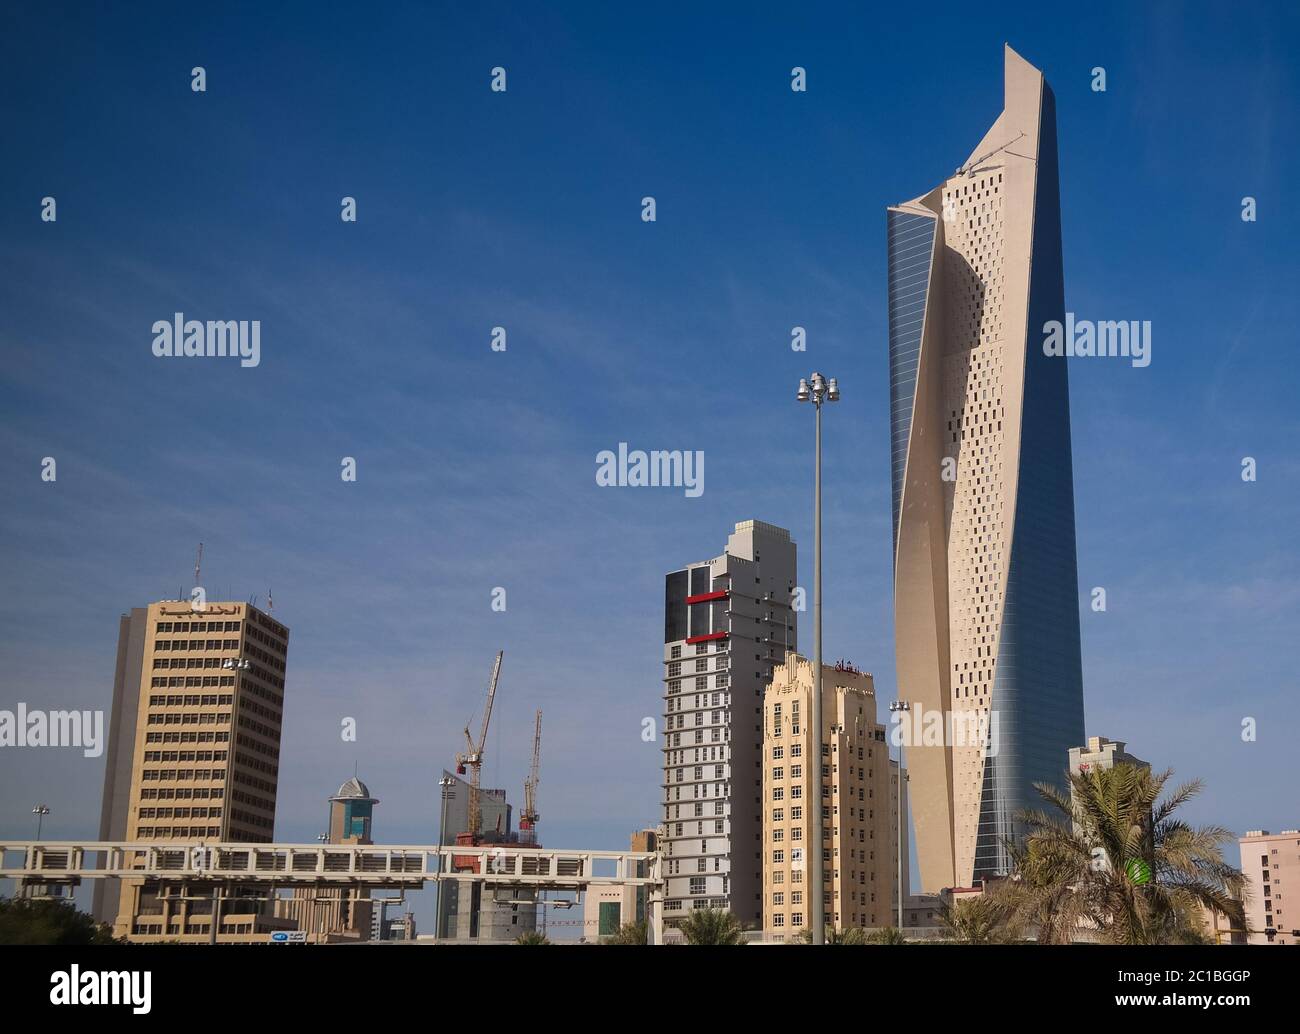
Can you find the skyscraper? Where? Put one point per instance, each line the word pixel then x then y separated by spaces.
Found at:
pixel 727 623
pixel 193 752
pixel 985 579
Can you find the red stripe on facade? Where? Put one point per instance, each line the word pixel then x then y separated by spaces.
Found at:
pixel 704 597
pixel 706 638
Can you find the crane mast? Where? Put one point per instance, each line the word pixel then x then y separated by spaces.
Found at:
pixel 528 820
pixel 472 757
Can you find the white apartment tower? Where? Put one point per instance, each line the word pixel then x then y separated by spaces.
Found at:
pixel 727 623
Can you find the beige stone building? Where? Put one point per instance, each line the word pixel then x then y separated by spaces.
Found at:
pixel 193 758
pixel 606 907
pixel 1271 864
pixel 854 794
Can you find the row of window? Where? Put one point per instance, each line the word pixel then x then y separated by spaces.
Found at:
pixel 191 700
pixel 197 626
pixel 180 813
pixel 195 644
pixel 185 755
pixel 170 775
pixel 172 832
pixel 190 681
pixel 187 737
pixel 188 718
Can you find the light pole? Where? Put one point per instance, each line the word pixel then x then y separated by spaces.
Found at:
pixel 40 811
pixel 895 707
pixel 447 783
pixel 822 390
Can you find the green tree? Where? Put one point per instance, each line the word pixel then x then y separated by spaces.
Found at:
pixel 711 926
pixel 886 935
pixel 1111 856
pixel 532 937
pixel 629 933
pixel 47 921
pixel 981 920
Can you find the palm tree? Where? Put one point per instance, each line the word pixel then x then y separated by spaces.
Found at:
pixel 849 935
pixel 1114 859
pixel 886 935
pixel 981 920
pixel 711 926
pixel 628 933
pixel 532 937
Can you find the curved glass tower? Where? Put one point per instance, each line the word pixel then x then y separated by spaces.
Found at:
pixel 985 578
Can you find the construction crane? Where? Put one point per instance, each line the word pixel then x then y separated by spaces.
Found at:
pixel 472 758
pixel 528 820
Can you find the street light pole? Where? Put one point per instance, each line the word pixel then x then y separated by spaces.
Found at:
pixel 820 391
pixel 900 706
pixel 446 783
pixel 40 811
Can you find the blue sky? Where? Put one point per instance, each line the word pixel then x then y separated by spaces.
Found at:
pixel 476 469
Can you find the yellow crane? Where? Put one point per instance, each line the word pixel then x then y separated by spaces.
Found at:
pixel 472 757
pixel 528 819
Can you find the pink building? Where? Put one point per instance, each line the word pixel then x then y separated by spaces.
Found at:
pixel 1271 864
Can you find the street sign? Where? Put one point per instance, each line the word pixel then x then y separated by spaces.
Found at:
pixel 289 937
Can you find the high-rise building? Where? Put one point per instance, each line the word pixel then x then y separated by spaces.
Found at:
pixel 1271 864
pixel 330 911
pixel 985 579
pixel 858 850
pixel 193 755
pixel 727 623
pixel 474 911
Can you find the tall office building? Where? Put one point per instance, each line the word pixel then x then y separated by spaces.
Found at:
pixel 727 623
pixel 853 791
pixel 985 579
pixel 193 753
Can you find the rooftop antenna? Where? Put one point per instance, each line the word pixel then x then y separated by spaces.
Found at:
pixel 270 604
pixel 198 564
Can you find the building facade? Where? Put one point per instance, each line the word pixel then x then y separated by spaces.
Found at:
pixel 605 908
pixel 1101 753
pixel 471 911
pixel 331 912
pixel 727 623
pixel 193 756
pixel 1271 865
pixel 985 579
pixel 855 793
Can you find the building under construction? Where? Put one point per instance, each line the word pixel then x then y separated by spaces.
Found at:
pixel 474 816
